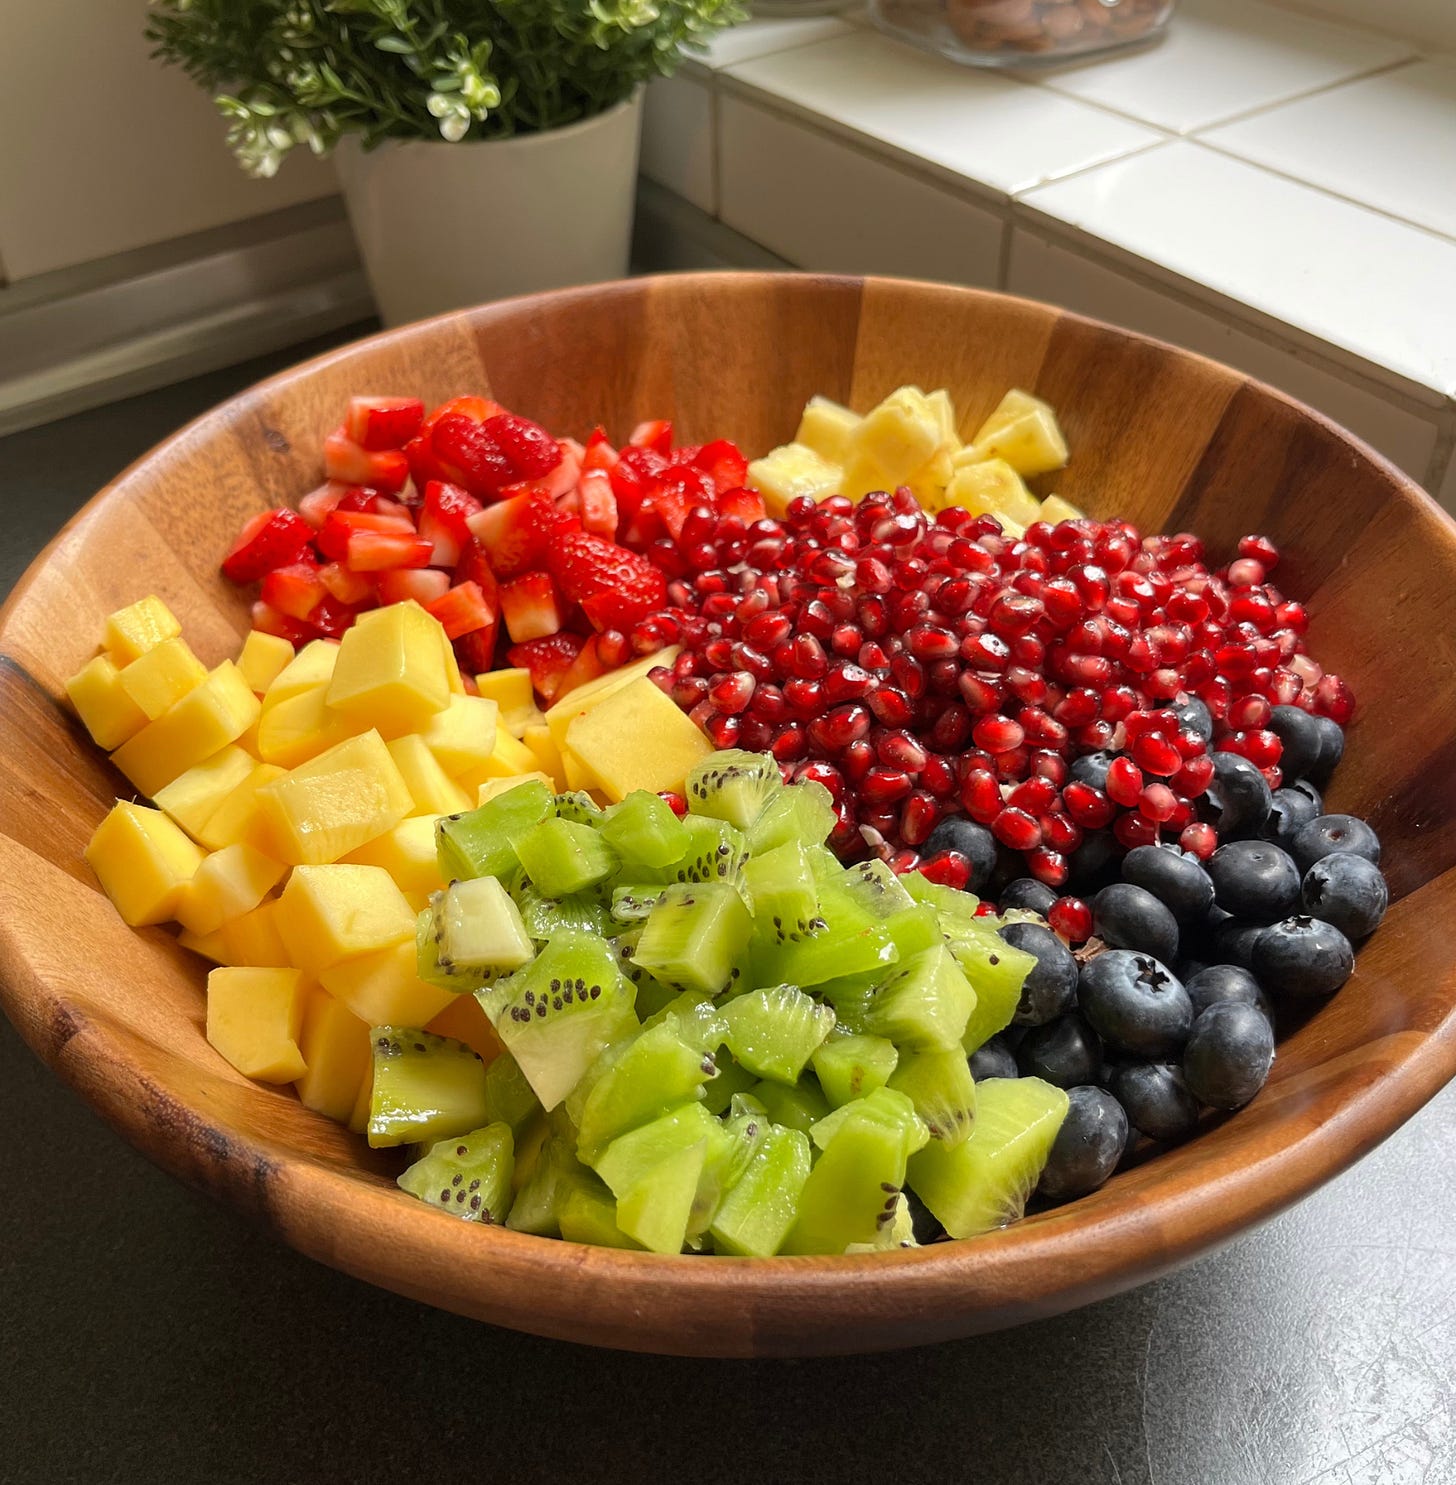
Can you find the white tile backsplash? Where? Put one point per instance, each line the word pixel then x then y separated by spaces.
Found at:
pixel 677 139
pixel 1431 22
pixel 824 205
pixel 758 38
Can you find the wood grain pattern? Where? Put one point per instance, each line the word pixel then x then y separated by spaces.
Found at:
pixel 1173 440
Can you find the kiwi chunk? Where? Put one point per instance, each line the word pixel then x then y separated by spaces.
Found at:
pixel 843 940
pixel 482 842
pixel 984 1182
pixel 694 938
pixel 586 1212
pixel 729 1082
pixel 644 831
pixel 733 785
pixel 800 814
pixel 579 807
pixel 432 970
pixel 543 916
pixel 775 1031
pixel 781 886
pixel 997 971
pixel 760 1208
pixel 633 901
pixel 849 1066
pixel 508 1096
pixel 922 1004
pixel 899 1232
pixel 426 1087
pixel 940 1086
pixel 799 1107
pixel 479 927
pixel 876 889
pixel 538 1202
pixel 563 856
pixel 468 1175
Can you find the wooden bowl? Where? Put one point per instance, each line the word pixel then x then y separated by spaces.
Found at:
pixel 1160 436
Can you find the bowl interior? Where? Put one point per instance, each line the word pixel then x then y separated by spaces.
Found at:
pixel 1165 438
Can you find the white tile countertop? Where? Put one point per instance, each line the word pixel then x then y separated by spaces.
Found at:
pixel 1268 186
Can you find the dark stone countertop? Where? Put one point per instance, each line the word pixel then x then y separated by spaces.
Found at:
pixel 147 1334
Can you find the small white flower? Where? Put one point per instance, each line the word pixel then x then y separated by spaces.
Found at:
pixel 454 128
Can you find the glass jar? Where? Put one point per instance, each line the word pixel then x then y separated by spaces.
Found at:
pixel 1006 33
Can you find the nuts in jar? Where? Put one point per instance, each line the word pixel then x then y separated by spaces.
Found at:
pixel 1002 31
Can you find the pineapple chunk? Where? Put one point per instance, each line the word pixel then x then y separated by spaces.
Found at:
pixel 240 818
pixel 391 672
pixel 132 631
pixel 1023 431
pixel 943 410
pixel 255 1020
pixel 463 736
pixel 192 798
pixel 543 745
pixel 143 862
pixel 791 470
pixel 827 427
pixel 1055 510
pixel 898 436
pixel 335 1047
pixel 433 790
pixel 636 738
pixel 330 913
pixel 312 667
pixel 101 702
pixel 229 882
pixel 158 680
pixel 383 988
pixel 407 853
pixel 993 487
pixel 337 801
pixel 263 659
pixel 492 787
pixel 300 727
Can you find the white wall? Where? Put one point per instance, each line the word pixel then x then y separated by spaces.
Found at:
pixel 102 149
pixel 1430 21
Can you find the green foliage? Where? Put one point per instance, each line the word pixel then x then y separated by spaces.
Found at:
pixel 307 72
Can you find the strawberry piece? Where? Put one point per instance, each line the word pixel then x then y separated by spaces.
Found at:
pixel 268 620
pixel 452 507
pixel 470 456
pixel 423 464
pixel 654 434
pixel 587 666
pixel 376 423
pixel 462 610
pixel 425 585
pixel 515 532
pixel 357 498
pixel 683 455
pixel 627 587
pixel 598 453
pixel 348 587
pixel 744 504
pixel 677 492
pixel 340 525
pixel 331 618
pixel 633 476
pixel 556 483
pixel 445 546
pixel 723 462
pixel 531 607
pixel 477 409
pixel 314 506
pixel 527 445
pixel 272 538
pixel 547 660
pixel 385 470
pixel 378 551
pixel 293 590
pixel 596 503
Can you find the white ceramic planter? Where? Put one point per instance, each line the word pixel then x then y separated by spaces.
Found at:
pixel 441 226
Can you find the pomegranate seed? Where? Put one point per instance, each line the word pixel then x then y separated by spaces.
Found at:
pixel 847 682
pixel 997 734
pixel 1194 777
pixel 1048 765
pixel 981 795
pixel 1124 782
pixel 1334 699
pixel 823 773
pixel 938 776
pixel 839 727
pixel 1034 795
pixel 1089 807
pixel 882 785
pixel 1261 549
pixel 920 815
pixel 1199 840
pixel 1155 754
pixel 722 731
pixel 1134 830
pixel 1016 829
pixel 1071 918
pixel 791 744
pixel 731 694
pixel 1048 867
pixel 948 868
pixel 1157 802
pixel 1060 832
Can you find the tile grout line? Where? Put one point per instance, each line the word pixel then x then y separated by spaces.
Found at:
pixel 1259 110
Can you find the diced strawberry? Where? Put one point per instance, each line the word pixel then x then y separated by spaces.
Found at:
pixel 597 504
pixel 385 470
pixel 426 585
pixel 526 444
pixel 571 449
pixel 632 477
pixel 587 566
pixel 268 620
pixel 556 483
pixel 452 507
pixel 475 652
pixel 294 589
pixel 462 610
pixel 587 666
pixel 272 538
pixel 424 466
pixel 723 462
pixel 654 434
pixel 547 660
pixel 358 498
pixel 614 610
pixel 331 618
pixel 348 587
pixel 378 551
pixel 598 453
pixel 470 456
pixel 744 503
pixel 445 546
pixel 383 422
pixel 477 409
pixel 475 566
pixel 514 532
pixel 340 525
pixel 676 493
pixel 569 504
pixel 531 607
pixel 314 506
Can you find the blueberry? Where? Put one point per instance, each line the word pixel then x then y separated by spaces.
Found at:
pixel 1303 740
pixel 1327 834
pixel 1254 879
pixel 1221 984
pixel 1303 786
pixel 1289 810
pixel 1332 749
pixel 1179 882
pixel 1027 894
pixel 1094 863
pixel 992 1059
pixel 1134 1003
pixel 1239 796
pixel 1051 986
pixel 1065 1052
pixel 1233 942
pixel 1091 768
pixel 1348 891
pixel 1010 1037
pixel 1156 1099
pixel 1194 716
pixel 1185 969
pixel 1303 958
pixel 1229 1053
pixel 1087 1147
pixel 973 841
pixel 1127 917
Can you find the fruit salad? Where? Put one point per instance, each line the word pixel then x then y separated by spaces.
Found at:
pixel 822 854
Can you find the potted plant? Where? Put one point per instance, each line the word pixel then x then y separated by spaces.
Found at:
pixel 486 147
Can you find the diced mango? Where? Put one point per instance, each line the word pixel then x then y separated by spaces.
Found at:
pixel 464 1019
pixel 942 409
pixel 994 488
pixel 384 988
pixel 493 787
pixel 359 1116
pixel 463 736
pixel 543 745
pixel 192 798
pixel 334 803
pixel 301 727
pixel 158 680
pixel 229 882
pixel 255 1020
pixel 391 672
pixel 330 913
pixel 101 702
pixel 511 756
pixel 240 817
pixel 510 689
pixel 826 427
pixel 407 853
pixel 637 738
pixel 312 667
pixel 791 470
pixel 253 938
pixel 578 775
pixel 209 717
pixel 263 659
pixel 131 631
pixel 433 790
pixel 143 862
pixel 335 1047
pixel 1023 431
pixel 210 945
pixel 583 698
pixel 1055 510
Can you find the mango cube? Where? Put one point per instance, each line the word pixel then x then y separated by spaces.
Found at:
pixel 335 1047
pixel 331 805
pixel 206 720
pixel 192 798
pixel 464 1020
pixel 391 672
pixel 255 1020
pixel 229 882
pixel 433 790
pixel 898 435
pixel 384 988
pixel 463 736
pixel 101 702
pixel 359 1118
pixel 1023 431
pixel 210 945
pixel 240 817
pixel 512 692
pixel 637 738
pixel 131 631
pixel 493 787
pixel 253 938
pixel 263 659
pixel 543 745
pixel 143 862
pixel 826 427
pixel 791 470
pixel 407 853
pixel 993 487
pixel 301 727
pixel 310 668
pixel 584 697
pixel 330 913
pixel 158 680
pixel 511 756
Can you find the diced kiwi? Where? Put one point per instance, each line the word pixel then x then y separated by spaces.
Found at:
pixel 781 888
pixel 984 1182
pixel 844 940
pixel 950 905
pixel 746 1124
pixel 799 1107
pixel 543 916
pixel 508 1096
pixel 760 1208
pixel 996 970
pixel 482 842
pixel 579 807
pixel 775 1031
pixel 479 927
pixel 849 1066
pixel 557 1013
pixel 876 889
pixel 468 1175
pixel 728 1083
pixel 563 856
pixel 644 831
pixel 888 1105
pixel 922 1004
pixel 429 967
pixel 426 1087
pixel 899 1232
pixel 716 852
pixel 634 901
pixel 801 814
pixel 538 1201
pixel 940 1086
pixel 733 785
pixel 695 938
pixel 586 1212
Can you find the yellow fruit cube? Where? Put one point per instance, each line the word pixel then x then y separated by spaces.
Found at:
pixel 899 435
pixel 210 945
pixel 433 790
pixel 240 818
pixel 511 756
pixel 791 470
pixel 334 803
pixel 463 736
pixel 583 698
pixel 131 631
pixel 492 787
pixel 255 1020
pixel 543 745
pixel 384 988
pixel 335 1047
pixel 206 720
pixel 192 798
pixel 407 853
pixel 1023 431
pixel 301 727
pixel 229 882
pixel 263 659
pixel 359 1117
pixel 453 679
pixel 994 488
pixel 158 680
pixel 143 862
pixel 101 702
pixel 330 913
pixel 391 672
pixel 253 938
pixel 511 689
pixel 827 428
pixel 311 668
pixel 464 1020
pixel 636 738
pixel 942 409
pixel 1055 510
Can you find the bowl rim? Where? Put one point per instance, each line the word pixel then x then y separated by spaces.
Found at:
pixel 366 1228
